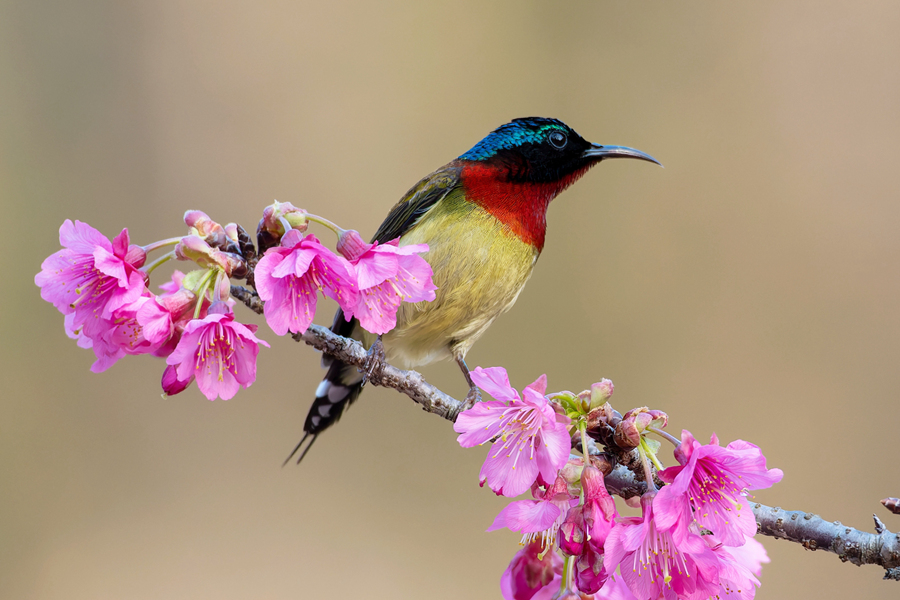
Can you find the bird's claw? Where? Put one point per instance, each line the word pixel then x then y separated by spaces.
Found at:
pixel 472 398
pixel 375 361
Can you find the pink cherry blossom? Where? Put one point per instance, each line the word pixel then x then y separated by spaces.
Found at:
pixel 91 277
pixel 713 481
pixel 387 274
pixel 539 518
pixel 288 276
pixel 752 555
pixel 218 352
pixel 532 439
pixel 655 563
pixel 529 571
pixel 124 334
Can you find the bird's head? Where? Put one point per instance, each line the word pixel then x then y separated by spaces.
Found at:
pixel 541 150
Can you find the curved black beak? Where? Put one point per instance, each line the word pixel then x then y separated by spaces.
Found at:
pixel 600 152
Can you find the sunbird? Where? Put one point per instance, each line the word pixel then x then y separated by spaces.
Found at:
pixel 484 217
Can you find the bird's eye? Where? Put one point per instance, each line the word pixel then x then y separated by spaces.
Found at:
pixel 558 139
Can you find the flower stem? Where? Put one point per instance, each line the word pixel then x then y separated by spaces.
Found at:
pixel 224 292
pixel 162 259
pixel 567 568
pixel 161 244
pixel 648 473
pixel 323 221
pixel 201 292
pixel 665 435
pixel 582 427
pixel 652 455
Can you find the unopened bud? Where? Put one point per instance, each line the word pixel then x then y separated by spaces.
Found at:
pixel 603 462
pixel 657 418
pixel 206 228
pixel 231 230
pixel 136 256
pixel 197 250
pixel 601 392
pixel 627 434
pixel 571 532
pixel 278 211
pixel 583 401
pixel 571 471
pixel 351 244
pixel 272 225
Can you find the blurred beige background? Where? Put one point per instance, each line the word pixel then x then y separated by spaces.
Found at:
pixel 750 288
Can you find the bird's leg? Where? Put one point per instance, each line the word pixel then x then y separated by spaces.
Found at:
pixel 474 394
pixel 374 362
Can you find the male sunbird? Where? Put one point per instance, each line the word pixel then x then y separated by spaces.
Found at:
pixel 483 216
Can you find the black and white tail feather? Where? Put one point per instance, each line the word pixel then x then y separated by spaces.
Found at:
pixel 339 389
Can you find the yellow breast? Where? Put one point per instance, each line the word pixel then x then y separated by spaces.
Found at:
pixel 479 267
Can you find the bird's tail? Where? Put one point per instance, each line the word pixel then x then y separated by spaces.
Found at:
pixel 339 389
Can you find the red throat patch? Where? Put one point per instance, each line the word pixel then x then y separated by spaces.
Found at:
pixel 521 206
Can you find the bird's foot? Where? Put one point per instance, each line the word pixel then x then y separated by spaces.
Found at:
pixel 472 397
pixel 375 361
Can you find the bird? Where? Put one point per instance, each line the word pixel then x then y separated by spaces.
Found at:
pixel 484 218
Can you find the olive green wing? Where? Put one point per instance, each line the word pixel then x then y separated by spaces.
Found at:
pixel 418 200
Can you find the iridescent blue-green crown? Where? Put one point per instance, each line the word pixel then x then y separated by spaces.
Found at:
pixel 518 132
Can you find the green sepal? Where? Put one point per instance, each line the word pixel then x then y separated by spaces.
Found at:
pixel 652 445
pixel 193 279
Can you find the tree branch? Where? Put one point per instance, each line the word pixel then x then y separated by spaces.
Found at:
pixel 811 531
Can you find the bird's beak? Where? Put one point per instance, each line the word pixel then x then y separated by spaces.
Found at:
pixel 600 152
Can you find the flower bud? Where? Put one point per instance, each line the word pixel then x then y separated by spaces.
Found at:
pixel 527 573
pixel 206 228
pixel 601 392
pixel 197 250
pixel 275 212
pixel 657 419
pixel 136 256
pixel 603 462
pixel 351 244
pixel 589 572
pixel 231 230
pixel 571 471
pixel 627 434
pixel 571 532
pixel 171 385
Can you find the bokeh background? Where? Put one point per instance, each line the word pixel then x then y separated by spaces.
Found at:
pixel 749 288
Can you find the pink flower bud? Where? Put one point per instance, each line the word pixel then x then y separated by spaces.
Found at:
pixel 231 230
pixel 627 434
pixel 206 228
pixel 351 245
pixel 571 532
pixel 197 250
pixel 589 573
pixel 601 392
pixel 277 213
pixel 527 573
pixel 635 423
pixel 603 462
pixel 171 385
pixel 136 256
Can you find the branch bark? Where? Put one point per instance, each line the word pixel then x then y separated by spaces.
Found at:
pixel 809 530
